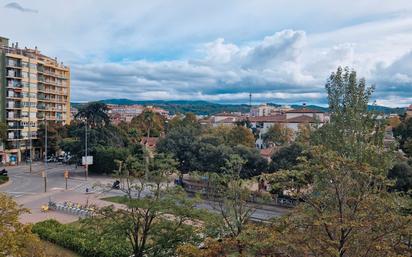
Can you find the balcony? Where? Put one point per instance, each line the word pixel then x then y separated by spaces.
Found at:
pixel 14 85
pixel 13 106
pixel 15 127
pixel 13 64
pixel 13 74
pixel 14 95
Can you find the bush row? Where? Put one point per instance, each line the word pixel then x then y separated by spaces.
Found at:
pixel 87 243
pixel 3 179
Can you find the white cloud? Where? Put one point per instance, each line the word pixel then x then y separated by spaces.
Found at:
pixel 220 51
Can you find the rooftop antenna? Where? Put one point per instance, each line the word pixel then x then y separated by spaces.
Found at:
pixel 250 103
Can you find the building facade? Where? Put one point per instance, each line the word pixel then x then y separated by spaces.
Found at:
pixel 409 111
pixel 33 88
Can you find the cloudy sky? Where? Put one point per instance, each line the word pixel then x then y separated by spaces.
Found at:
pixel 214 50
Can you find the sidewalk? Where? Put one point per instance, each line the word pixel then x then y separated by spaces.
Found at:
pixel 34 203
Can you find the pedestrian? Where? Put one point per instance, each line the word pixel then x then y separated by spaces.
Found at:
pixel 87 190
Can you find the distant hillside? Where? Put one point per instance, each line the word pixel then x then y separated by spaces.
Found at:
pixel 182 106
pixel 208 108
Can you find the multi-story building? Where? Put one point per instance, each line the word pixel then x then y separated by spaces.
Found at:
pixel 33 88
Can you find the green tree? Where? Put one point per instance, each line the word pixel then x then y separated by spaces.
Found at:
pixel 94 113
pixel 55 133
pixel 347 210
pixel 156 222
pixel 403 132
pixel 286 157
pixel 401 173
pixel 3 131
pixel 182 143
pixel 278 134
pixel 231 200
pixel 16 238
pixel 149 123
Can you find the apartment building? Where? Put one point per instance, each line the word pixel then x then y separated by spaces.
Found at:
pixel 33 88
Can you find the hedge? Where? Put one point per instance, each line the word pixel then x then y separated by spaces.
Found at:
pixel 86 243
pixel 3 179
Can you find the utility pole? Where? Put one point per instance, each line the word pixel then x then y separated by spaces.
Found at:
pixel 85 146
pixel 45 154
pixel 250 103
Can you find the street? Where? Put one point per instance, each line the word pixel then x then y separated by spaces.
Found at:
pixel 28 190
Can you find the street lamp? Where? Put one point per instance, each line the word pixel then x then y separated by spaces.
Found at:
pixel 85 150
pixel 45 153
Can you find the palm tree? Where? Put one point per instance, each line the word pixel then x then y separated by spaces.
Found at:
pixel 95 114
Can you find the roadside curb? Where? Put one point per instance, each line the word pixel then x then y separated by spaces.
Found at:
pixel 7 183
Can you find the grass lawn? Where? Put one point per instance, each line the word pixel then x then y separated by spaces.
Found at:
pixel 115 199
pixel 53 250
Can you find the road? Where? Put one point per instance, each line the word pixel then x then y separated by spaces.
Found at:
pixel 24 183
pixel 28 188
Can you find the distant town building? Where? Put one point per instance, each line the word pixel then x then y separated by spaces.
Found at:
pixel 409 111
pixel 268 110
pixel 224 118
pixel 33 87
pixel 291 119
pixel 125 113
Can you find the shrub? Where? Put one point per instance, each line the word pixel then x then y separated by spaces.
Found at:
pixel 3 179
pixel 87 243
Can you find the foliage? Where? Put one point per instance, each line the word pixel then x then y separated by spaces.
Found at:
pixel 232 196
pixel 148 123
pixel 182 143
pixel 156 218
pixel 95 113
pixel 101 141
pixel 55 133
pixel 278 134
pixel 231 136
pixel 87 241
pixel 286 157
pixel 347 209
pixel 208 150
pixel 3 131
pixel 403 132
pixel 3 179
pixel 16 238
pixel 402 174
pixel 104 159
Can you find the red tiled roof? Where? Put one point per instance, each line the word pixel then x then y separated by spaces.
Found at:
pixel 227 120
pixel 271 118
pixel 150 142
pixel 301 119
pixel 268 152
pixel 304 110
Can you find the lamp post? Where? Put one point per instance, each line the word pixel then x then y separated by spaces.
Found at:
pixel 85 150
pixel 45 153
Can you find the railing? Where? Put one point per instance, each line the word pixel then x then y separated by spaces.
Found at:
pixel 13 65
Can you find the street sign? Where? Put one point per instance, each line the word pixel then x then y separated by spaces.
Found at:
pixel 66 174
pixel 89 160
